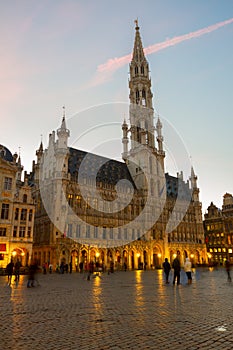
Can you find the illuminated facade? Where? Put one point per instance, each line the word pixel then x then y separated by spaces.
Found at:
pixel 16 210
pixel 218 226
pixel 109 230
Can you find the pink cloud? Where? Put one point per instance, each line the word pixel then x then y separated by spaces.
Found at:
pixel 107 69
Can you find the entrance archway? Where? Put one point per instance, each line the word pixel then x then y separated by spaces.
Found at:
pixel 157 255
pixel 74 260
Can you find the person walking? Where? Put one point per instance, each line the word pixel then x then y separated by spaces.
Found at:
pixel 17 270
pixel 228 270
pixel 50 268
pixel 9 271
pixel 176 267
pixel 166 269
pixel 188 270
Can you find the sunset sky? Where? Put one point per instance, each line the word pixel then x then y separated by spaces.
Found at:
pixel 76 53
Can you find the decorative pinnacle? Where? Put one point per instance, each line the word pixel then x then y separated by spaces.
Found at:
pixel 136 23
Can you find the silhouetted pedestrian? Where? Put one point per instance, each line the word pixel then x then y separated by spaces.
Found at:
pixel 17 269
pixel 62 267
pixel 31 277
pixel 9 271
pixel 228 270
pixel 166 269
pixel 176 267
pixel 70 267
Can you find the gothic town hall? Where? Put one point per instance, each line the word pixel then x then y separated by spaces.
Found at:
pixel 95 209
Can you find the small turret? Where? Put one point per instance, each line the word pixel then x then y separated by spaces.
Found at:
pixel 39 152
pixel 194 188
pixel 193 179
pixel 159 135
pixel 63 133
pixel 125 140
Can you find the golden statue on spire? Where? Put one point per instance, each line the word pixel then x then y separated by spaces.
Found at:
pixel 136 22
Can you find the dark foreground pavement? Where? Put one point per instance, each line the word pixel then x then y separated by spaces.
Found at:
pixel 124 310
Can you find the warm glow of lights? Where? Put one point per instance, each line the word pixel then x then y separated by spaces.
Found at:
pixel 14 253
pixel 159 255
pixel 209 255
pixel 138 255
pixel 192 256
pixel 22 254
pixel 174 255
pixel 230 250
pixel 97 254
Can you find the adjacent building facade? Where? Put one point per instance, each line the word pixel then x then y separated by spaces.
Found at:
pixel 16 209
pixel 218 226
pixel 90 208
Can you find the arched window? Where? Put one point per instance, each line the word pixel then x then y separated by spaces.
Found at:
pixel 152 187
pixel 143 97
pixel 136 70
pixel 137 96
pixel 142 70
pixel 25 198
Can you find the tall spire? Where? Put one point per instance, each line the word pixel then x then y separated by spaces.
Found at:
pixel 140 83
pixel 141 109
pixel 138 53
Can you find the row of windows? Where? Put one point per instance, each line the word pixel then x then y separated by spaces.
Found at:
pixel 18 214
pixel 23 214
pixel 108 207
pixel 220 250
pixel 214 227
pixel 103 232
pixel 136 70
pixel 20 231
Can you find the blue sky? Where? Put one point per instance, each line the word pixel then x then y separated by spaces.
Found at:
pixel 50 53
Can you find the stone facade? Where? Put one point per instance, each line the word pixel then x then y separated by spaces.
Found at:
pixel 17 211
pixel 85 213
pixel 218 226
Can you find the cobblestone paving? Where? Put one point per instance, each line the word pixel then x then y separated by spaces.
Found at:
pixel 124 310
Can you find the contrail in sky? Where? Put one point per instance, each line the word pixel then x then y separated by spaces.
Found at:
pixel 105 70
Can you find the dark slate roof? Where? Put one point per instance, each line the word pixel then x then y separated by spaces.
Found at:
pixel 100 169
pixel 110 171
pixel 5 153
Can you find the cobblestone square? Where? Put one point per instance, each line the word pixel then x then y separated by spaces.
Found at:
pixel 123 310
